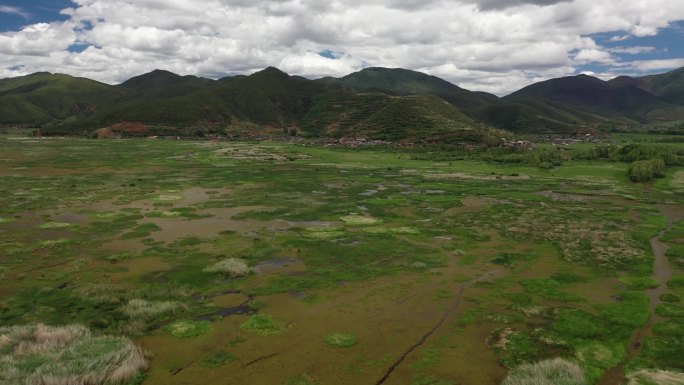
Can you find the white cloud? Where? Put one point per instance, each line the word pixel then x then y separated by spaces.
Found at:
pixel 652 65
pixel 490 45
pixel 636 50
pixel 14 11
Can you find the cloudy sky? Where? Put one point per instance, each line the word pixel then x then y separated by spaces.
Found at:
pixel 488 45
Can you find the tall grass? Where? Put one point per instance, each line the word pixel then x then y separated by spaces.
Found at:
pixel 234 267
pixel 556 371
pixel 142 309
pixel 655 377
pixel 66 355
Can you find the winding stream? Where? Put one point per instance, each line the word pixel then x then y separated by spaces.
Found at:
pixel 662 272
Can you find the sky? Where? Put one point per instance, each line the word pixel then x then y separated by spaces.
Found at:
pixel 497 46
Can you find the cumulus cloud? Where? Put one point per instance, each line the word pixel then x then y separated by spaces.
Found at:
pixel 490 45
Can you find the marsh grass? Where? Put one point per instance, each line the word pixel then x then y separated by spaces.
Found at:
pixel 655 377
pixel 556 371
pixel 324 232
pixel 360 220
pixel 98 293
pixel 233 267
pixel 670 328
pixel 262 324
pixel 549 289
pixel 670 298
pixel 188 329
pixel 639 283
pixel 341 340
pixel 168 198
pixel 677 282
pixel 143 309
pixel 65 355
pixel 670 310
pixel 55 225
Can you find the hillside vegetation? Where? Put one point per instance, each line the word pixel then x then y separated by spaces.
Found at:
pixel 375 103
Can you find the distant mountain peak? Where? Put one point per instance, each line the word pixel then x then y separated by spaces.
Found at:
pixel 271 72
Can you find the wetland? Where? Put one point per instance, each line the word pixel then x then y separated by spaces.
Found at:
pixel 196 262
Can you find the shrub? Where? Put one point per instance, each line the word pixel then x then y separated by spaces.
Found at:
pixel 187 329
pixel 645 170
pixel 669 298
pixel 670 310
pixel 556 371
pixel 234 267
pixel 40 354
pixel 676 282
pixel 262 324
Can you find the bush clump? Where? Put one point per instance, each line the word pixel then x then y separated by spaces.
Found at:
pixel 40 354
pixel 187 329
pixel 556 371
pixel 234 267
pixel 142 309
pixel 262 324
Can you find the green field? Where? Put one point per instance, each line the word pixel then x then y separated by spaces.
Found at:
pixel 275 263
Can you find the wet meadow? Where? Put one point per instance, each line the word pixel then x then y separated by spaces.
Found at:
pixel 283 263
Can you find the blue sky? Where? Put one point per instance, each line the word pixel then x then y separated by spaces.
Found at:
pixel 35 11
pixel 668 43
pixel 496 46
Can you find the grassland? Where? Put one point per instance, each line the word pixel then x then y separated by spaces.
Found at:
pixel 272 263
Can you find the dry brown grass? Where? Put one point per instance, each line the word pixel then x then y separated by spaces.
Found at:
pixel 234 267
pixel 556 371
pixel 654 376
pixel 66 355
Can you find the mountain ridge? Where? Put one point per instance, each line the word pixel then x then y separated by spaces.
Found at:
pixel 364 103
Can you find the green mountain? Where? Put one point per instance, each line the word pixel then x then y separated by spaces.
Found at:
pixel 164 84
pixel 580 101
pixel 376 103
pixel 668 86
pixel 399 81
pixel 44 98
pixel 268 97
pixel 415 118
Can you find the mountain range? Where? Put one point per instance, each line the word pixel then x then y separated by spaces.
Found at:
pixel 376 103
